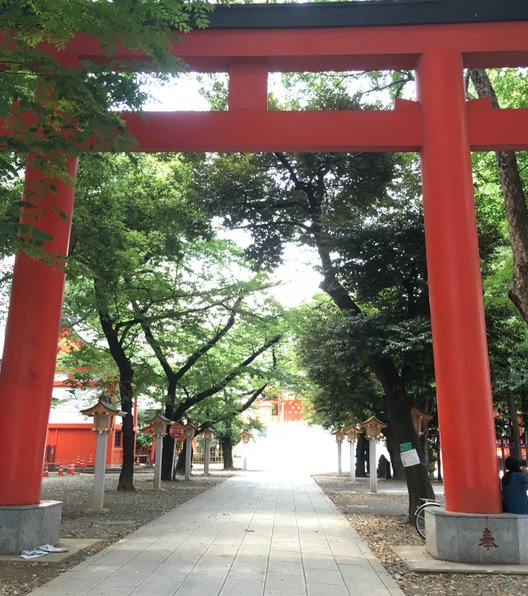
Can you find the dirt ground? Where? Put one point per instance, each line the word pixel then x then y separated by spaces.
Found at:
pixel 127 511
pixel 380 520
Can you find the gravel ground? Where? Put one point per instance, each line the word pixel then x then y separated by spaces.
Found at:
pixel 127 512
pixel 379 519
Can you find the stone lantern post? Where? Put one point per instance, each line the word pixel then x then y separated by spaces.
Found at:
pixel 159 428
pixel 372 428
pixel 104 415
pixel 339 436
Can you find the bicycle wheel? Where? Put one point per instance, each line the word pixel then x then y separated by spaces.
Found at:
pixel 419 517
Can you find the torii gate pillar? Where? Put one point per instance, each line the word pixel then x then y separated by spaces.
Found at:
pixel 28 366
pixel 465 407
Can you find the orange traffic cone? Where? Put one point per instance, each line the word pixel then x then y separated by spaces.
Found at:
pixel 45 472
pixel 71 469
pixel 90 461
pixel 61 470
pixel 82 462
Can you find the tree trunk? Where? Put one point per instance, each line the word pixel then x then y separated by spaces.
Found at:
pixel 180 464
pixel 417 478
pixel 227 453
pixel 525 422
pixel 515 200
pixel 393 448
pixel 126 377
pixel 128 435
pixel 167 458
pixel 399 412
pixel 361 456
pixel 397 404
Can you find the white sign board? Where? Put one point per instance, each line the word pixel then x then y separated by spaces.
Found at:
pixel 409 458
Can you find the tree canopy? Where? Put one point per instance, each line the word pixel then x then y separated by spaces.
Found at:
pixel 54 106
pixel 182 314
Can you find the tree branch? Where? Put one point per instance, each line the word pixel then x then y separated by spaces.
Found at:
pixel 235 372
pixel 255 394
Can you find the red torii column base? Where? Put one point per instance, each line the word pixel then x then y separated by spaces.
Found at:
pixel 30 350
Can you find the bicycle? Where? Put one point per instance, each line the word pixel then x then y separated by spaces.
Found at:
pixel 419 515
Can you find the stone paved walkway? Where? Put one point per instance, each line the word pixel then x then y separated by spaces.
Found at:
pixel 257 533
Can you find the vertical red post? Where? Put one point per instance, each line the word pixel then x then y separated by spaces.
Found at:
pixel 465 407
pixel 30 350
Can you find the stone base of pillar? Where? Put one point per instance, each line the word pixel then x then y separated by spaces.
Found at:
pixel 500 538
pixel 23 527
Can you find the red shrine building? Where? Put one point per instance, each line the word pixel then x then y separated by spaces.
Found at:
pixel 70 438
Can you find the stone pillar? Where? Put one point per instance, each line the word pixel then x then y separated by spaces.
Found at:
pixel 207 456
pixel 188 458
pixel 373 468
pixel 352 461
pixel 100 473
pixel 158 455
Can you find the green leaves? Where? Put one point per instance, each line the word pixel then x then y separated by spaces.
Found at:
pixel 182 305
pixel 51 102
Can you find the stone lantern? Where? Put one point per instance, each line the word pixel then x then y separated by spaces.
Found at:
pixel 339 437
pixel 245 436
pixel 420 420
pixel 159 428
pixel 189 431
pixel 208 435
pixel 372 427
pixel 351 433
pixel 104 415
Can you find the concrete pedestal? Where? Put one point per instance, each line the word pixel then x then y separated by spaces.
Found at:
pixel 477 538
pixel 24 527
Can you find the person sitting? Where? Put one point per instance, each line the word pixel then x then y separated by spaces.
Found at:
pixel 514 484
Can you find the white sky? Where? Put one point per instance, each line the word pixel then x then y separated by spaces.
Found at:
pixel 299 280
pixel 181 94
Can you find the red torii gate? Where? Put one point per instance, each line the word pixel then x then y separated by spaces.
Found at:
pixel 441 125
